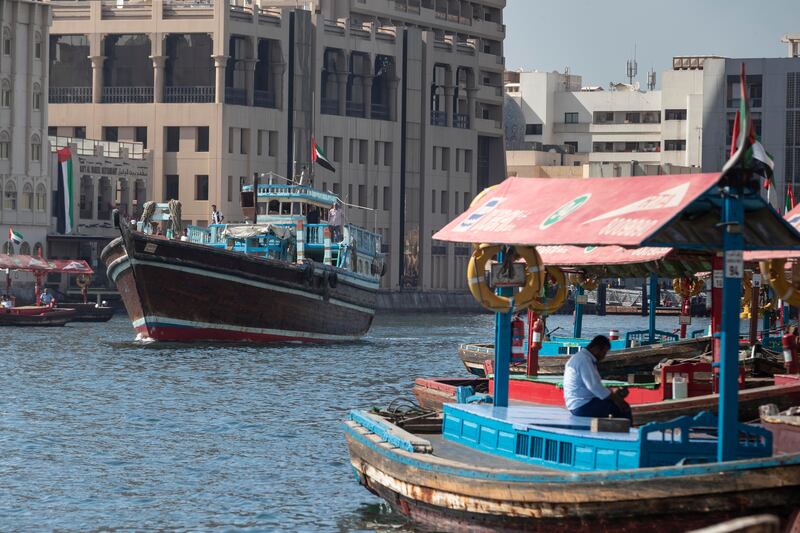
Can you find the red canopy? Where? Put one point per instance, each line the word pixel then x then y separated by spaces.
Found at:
pixel 38 264
pixel 633 212
pixel 616 261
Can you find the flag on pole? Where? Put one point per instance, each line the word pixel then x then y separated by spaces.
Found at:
pixel 746 148
pixel 66 192
pixel 15 236
pixel 789 201
pixel 318 156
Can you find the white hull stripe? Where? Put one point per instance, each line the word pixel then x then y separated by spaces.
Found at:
pixel 123 265
pixel 153 321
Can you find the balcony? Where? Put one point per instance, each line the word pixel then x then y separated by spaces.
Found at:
pixel 571 127
pixel 70 95
pixel 461 120
pixel 235 96
pixel 329 107
pixel 128 95
pixel 188 8
pixel 264 99
pixel 355 109
pixel 131 9
pixel 189 95
pixel 438 118
pixel 380 112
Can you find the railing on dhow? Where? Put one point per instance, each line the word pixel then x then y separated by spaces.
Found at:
pixel 69 95
pixel 189 95
pixel 280 190
pixel 366 242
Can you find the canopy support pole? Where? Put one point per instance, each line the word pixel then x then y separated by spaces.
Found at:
pixel 716 317
pixel 38 277
pixel 653 302
pixel 754 309
pixel 732 244
pixel 577 324
pixel 502 348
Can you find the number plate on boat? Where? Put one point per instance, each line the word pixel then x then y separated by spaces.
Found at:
pixel 150 248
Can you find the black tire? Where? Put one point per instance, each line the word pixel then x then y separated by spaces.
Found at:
pixel 333 279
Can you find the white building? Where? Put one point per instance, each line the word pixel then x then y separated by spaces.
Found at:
pixel 24 178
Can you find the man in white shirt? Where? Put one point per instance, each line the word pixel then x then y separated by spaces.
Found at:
pixel 216 216
pixel 584 393
pixel 335 223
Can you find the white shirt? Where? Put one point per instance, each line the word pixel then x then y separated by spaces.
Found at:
pixel 216 217
pixel 334 217
pixel 582 380
pixel 6 304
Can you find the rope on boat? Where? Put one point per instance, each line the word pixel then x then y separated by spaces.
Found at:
pixel 175 217
pixel 401 411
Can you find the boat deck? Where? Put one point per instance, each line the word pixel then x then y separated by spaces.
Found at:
pixel 452 451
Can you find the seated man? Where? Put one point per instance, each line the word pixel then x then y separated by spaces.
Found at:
pixel 584 392
pixel 5 302
pixel 46 298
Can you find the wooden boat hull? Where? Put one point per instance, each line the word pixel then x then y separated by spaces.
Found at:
pixel 433 393
pixel 456 495
pixel 617 364
pixel 47 317
pixel 180 291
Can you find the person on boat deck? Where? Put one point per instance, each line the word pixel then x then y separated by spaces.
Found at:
pixel 5 302
pixel 313 215
pixel 584 393
pixel 216 216
pixel 335 222
pixel 46 298
pixel 303 176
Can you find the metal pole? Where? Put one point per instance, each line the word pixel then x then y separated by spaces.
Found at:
pixel 754 293
pixel 502 350
pixel 652 317
pixel 716 317
pixel 577 325
pixel 732 242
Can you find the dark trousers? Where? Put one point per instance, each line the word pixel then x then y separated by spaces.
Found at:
pixel 597 408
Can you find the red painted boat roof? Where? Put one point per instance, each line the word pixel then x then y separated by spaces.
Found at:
pixel 38 264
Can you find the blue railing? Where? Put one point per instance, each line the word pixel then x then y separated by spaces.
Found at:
pixel 268 190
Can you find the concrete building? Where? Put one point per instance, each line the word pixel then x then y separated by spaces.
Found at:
pixel 404 96
pixel 621 124
pixel 24 178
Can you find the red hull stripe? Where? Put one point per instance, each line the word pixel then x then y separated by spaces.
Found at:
pixel 168 329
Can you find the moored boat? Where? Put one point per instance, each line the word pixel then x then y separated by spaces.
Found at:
pixel 90 312
pixel 277 279
pixel 36 316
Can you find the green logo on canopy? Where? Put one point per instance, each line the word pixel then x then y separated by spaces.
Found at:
pixel 589 249
pixel 562 212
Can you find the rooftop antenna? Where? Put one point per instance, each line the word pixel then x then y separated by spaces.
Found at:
pixel 651 79
pixel 633 67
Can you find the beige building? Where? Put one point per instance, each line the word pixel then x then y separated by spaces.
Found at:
pixel 404 96
pixel 24 180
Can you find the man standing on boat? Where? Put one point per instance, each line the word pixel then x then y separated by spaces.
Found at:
pixel 216 216
pixel 584 392
pixel 335 222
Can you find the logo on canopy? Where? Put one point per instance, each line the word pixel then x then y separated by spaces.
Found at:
pixel 669 198
pixel 565 210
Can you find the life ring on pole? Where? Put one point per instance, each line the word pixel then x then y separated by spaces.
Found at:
pixel 485 295
pixel 772 273
pixel 83 280
pixel 551 305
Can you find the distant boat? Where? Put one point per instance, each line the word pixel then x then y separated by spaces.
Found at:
pixel 36 316
pixel 253 281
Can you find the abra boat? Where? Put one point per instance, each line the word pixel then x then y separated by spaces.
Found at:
pixel 36 316
pixel 275 279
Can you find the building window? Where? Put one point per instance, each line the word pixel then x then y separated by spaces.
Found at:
pixel 37 47
pixel 36 149
pixel 140 135
pixel 202 139
pixel 433 200
pixel 362 152
pixel 41 198
pixel 533 129
pixel 201 187
pixel 79 132
pixel 570 118
pixel 5 149
pixel 633 118
pixel 260 140
pixel 230 188
pixel 675 114
pixel 603 117
pixel 27 197
pixel 755 86
pixel 52 131
pixel 231 136
pixel 244 140
pixel 362 195
pixel 573 145
pixel 445 158
pixel 5 94
pixel 173 139
pixel 37 98
pixel 676 145
pixel 444 202
pixel 10 196
pixel 171 186
pixel 273 143
pixel 6 42
pixel 111 133
pixel 387 198
pixel 387 154
pixel 467 160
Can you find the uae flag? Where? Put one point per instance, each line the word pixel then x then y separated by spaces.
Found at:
pixel 746 149
pixel 66 192
pixel 789 201
pixel 15 236
pixel 318 156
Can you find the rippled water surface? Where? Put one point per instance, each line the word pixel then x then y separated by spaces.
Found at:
pixel 98 431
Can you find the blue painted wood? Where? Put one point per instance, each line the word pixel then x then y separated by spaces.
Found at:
pixel 476 471
pixel 732 241
pixel 552 437
pixel 463 392
pixel 381 429
pixel 653 303
pixel 502 352
pixel 578 322
pixel 643 337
